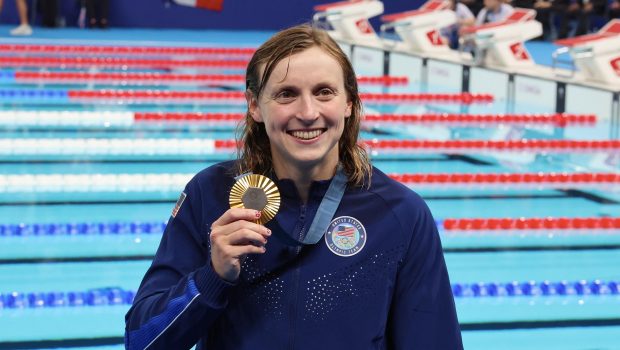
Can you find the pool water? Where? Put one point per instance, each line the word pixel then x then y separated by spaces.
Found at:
pixel 79 225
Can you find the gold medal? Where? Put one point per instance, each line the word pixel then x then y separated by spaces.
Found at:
pixel 256 192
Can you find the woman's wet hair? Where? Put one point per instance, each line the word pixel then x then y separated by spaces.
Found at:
pixel 254 152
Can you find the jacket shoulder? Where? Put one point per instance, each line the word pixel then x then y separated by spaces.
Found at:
pixel 394 192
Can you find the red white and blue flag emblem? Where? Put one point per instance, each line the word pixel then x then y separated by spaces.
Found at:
pixel 345 231
pixel 178 205
pixel 345 236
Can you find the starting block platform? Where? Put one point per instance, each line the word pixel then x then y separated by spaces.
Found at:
pixel 501 43
pixel 597 56
pixel 349 19
pixel 420 29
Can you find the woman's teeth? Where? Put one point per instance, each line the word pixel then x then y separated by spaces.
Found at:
pixel 306 135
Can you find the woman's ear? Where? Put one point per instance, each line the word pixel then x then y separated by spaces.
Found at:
pixel 347 111
pixel 253 106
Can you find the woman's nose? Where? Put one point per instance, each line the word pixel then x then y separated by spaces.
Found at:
pixel 307 108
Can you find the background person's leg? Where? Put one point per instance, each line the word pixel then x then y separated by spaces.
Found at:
pixel 22 10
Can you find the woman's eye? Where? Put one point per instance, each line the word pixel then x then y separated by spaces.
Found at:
pixel 284 96
pixel 326 92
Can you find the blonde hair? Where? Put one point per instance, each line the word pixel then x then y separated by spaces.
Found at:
pixel 253 147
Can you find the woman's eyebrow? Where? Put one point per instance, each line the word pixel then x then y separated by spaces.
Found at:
pixel 288 85
pixel 285 86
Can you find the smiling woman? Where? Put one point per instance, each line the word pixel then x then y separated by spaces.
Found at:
pixel 303 108
pixel 315 52
pixel 353 249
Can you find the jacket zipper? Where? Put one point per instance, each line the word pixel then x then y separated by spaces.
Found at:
pixel 293 309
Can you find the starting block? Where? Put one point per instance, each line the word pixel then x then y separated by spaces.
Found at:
pixel 501 43
pixel 419 29
pixel 349 19
pixel 596 55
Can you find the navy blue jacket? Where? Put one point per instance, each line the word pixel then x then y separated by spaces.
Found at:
pixel 377 280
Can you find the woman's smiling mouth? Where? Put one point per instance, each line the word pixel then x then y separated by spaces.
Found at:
pixel 306 134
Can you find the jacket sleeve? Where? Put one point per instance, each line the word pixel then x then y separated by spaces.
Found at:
pixel 180 295
pixel 423 313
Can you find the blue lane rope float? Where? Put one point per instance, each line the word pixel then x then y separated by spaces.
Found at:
pixel 533 288
pixel 34 94
pixel 117 296
pixel 92 297
pixel 82 228
pixel 91 228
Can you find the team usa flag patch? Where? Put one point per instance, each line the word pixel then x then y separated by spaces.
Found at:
pixel 346 236
pixel 178 205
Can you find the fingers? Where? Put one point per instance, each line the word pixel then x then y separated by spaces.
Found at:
pixel 245 236
pixel 240 221
pixel 239 251
pixel 233 228
pixel 236 214
pixel 240 226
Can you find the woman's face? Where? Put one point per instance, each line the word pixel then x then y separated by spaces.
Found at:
pixel 303 107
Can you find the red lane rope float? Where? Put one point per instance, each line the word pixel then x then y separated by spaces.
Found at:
pixel 552 179
pixel 462 98
pixel 550 223
pixel 495 145
pixel 116 62
pixel 155 94
pixel 82 77
pixel 123 50
pixel 386 80
pixel 557 119
pixel 182 117
pixel 367 97
pixel 463 146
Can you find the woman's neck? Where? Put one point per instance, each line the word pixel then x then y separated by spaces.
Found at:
pixel 303 177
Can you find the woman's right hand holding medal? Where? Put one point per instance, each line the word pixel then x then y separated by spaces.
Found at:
pixel 234 235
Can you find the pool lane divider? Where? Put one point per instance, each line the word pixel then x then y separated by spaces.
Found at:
pixel 120 62
pixel 120 296
pixel 527 224
pixel 124 50
pixel 520 145
pixel 151 78
pixel 83 229
pixel 453 119
pixel 154 95
pixel 107 119
pixel 179 147
pixel 535 180
pixel 577 225
pixel 174 182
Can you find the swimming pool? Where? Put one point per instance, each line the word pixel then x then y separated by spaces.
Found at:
pixel 530 229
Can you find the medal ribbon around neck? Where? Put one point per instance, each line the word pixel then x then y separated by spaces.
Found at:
pixel 258 192
pixel 322 218
pixel 327 208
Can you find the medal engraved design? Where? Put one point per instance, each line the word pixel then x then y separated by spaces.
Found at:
pixel 256 192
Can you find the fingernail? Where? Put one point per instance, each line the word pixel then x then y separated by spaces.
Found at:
pixel 257 214
pixel 268 232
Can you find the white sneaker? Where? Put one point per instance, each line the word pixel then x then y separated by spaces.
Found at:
pixel 23 29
